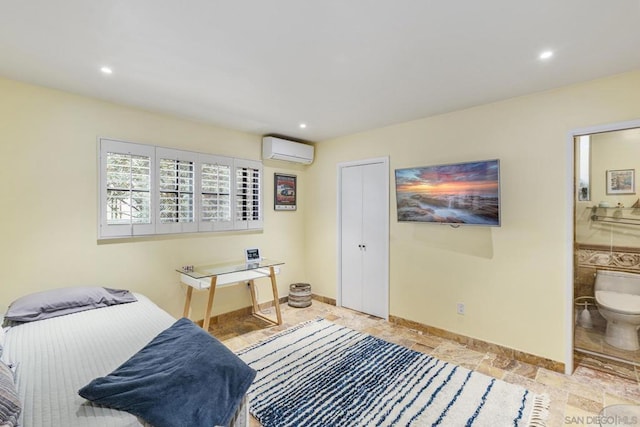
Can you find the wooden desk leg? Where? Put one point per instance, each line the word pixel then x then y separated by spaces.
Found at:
pixel 276 299
pixel 207 313
pixel 187 302
pixel 254 300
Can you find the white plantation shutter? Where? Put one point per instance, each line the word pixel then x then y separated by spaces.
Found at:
pixel 146 190
pixel 126 172
pixel 248 194
pixel 176 207
pixel 215 180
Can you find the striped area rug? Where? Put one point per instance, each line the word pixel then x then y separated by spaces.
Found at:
pixel 322 374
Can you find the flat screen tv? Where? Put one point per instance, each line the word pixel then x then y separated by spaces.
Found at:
pixel 455 194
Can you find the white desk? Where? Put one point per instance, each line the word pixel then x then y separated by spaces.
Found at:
pixel 212 276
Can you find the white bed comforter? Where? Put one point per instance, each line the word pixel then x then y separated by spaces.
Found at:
pixel 56 357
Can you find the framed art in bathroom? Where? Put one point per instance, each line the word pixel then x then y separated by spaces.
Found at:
pixel 284 192
pixel 621 181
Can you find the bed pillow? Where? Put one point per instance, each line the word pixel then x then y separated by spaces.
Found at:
pixel 183 377
pixel 58 302
pixel 10 406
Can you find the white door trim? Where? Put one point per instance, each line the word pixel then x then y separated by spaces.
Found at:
pixel 569 320
pixel 340 166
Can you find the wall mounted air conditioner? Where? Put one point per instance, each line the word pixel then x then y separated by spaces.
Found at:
pixel 289 151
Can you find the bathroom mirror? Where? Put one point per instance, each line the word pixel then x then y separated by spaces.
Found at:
pixel 607 200
pixel 601 152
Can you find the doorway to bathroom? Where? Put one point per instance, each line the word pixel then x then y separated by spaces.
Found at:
pixel 607 240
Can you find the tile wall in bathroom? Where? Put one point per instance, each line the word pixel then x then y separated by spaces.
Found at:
pixel 589 258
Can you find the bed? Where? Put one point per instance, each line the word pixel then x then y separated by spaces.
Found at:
pixel 54 358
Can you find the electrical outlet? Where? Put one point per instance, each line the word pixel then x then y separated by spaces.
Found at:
pixel 461 308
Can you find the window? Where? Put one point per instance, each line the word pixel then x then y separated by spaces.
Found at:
pixel 176 191
pixel 584 166
pixel 215 193
pixel 126 189
pixel 146 190
pixel 248 201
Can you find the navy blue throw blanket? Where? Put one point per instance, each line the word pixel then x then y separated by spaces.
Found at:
pixel 183 377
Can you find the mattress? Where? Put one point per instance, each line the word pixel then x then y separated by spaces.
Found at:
pixel 54 358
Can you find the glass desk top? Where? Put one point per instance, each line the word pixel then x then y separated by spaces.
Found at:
pixel 208 270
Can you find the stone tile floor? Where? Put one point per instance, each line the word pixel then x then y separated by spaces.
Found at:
pixel 575 400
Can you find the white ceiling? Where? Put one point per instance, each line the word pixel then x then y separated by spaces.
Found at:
pixel 341 66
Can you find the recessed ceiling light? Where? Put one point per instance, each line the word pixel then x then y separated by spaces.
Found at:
pixel 546 54
pixel 106 70
pixel 303 125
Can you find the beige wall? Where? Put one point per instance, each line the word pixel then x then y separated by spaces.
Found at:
pixel 513 279
pixel 48 214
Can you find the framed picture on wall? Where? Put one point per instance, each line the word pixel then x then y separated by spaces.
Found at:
pixel 284 192
pixel 621 181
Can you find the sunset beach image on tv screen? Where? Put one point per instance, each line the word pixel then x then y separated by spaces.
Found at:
pixel 460 193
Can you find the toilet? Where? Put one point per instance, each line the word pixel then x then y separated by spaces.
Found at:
pixel 618 300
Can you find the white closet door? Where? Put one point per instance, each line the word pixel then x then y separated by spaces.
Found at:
pixel 351 219
pixel 364 217
pixel 374 233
